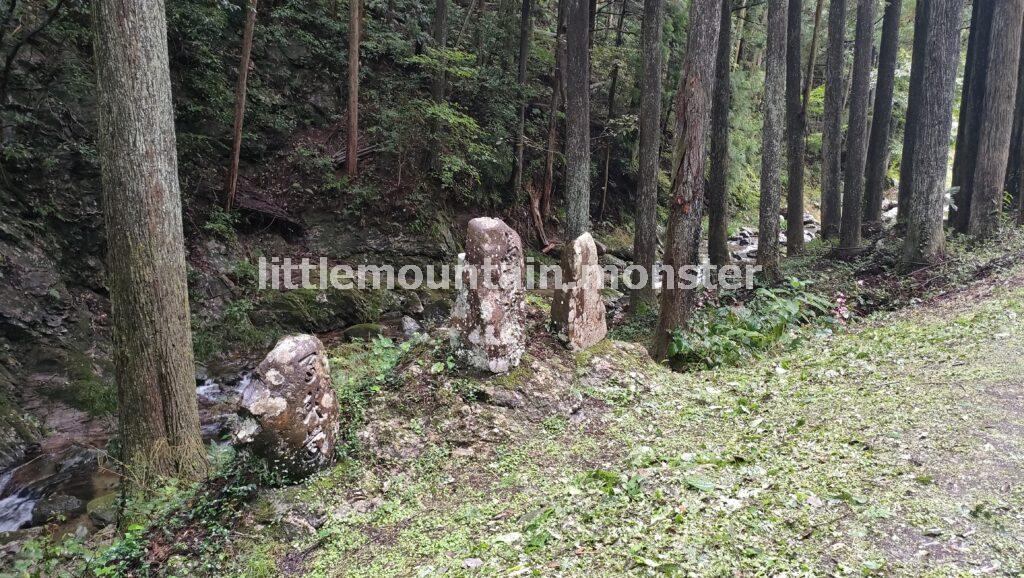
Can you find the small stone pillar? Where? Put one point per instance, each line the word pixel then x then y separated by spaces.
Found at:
pixel 577 311
pixel 290 409
pixel 488 322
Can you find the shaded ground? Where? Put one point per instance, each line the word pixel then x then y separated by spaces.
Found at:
pixel 895 448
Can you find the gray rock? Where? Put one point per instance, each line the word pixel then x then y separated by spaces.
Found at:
pixel 577 311
pixel 55 507
pixel 410 326
pixel 291 399
pixel 103 510
pixel 606 259
pixel 488 321
pixel 364 331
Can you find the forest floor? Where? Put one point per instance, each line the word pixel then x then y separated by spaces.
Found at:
pixel 894 446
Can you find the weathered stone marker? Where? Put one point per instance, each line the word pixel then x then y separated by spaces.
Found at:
pixel 290 408
pixel 577 311
pixel 488 322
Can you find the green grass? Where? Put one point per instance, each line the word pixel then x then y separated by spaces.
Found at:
pixel 792 464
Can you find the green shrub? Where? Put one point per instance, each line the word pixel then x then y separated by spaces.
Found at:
pixel 730 335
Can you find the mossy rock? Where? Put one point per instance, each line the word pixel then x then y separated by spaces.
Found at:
pixel 102 510
pixel 310 310
pixel 365 331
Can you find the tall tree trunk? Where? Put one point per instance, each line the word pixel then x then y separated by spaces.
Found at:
pixel 645 241
pixel 611 111
pixel 577 129
pixel 1014 170
pixel 972 110
pixel 243 76
pixel 795 129
pixel 812 56
pixel 857 131
pixel 881 121
pixel 832 132
pixel 355 25
pixel 440 32
pixel 925 241
pixel 693 112
pixel 740 30
pixel 557 95
pixel 757 58
pixel 153 363
pixel 913 107
pixel 772 138
pixel 1019 207
pixel 996 123
pixel 718 192
pixel 525 32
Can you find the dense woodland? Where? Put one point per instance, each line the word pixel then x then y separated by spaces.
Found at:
pixel 866 154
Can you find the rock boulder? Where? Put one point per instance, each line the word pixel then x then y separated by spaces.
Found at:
pixel 577 311
pixel 489 317
pixel 289 408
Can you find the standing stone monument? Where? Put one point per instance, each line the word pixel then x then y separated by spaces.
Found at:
pixel 577 311
pixel 290 410
pixel 488 322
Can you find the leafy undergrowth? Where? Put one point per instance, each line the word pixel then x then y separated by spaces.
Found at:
pixel 738 331
pixel 893 448
pixel 873 281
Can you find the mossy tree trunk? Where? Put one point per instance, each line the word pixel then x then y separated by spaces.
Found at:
pixel 693 112
pixel 645 242
pixel 857 131
pixel 997 121
pixel 971 113
pixel 718 180
pixel 913 109
pixel 525 33
pixel 880 144
pixel 355 25
pixel 832 131
pixel 240 95
pixel 795 128
pixel 925 241
pixel 577 110
pixel 154 367
pixel 772 138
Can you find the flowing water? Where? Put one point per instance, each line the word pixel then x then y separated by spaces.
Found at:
pixel 16 509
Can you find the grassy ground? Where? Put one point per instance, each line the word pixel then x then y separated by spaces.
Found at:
pixel 894 447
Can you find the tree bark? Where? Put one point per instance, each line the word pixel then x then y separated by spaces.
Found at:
pixel 525 32
pixel 857 131
pixel 693 112
pixel 577 129
pixel 972 110
pixel 611 111
pixel 243 76
pixel 832 133
pixel 440 32
pixel 795 130
pixel 880 143
pixel 913 107
pixel 153 363
pixel 997 122
pixel 355 27
pixel 718 193
pixel 925 241
pixel 811 58
pixel 645 241
pixel 557 95
pixel 772 138
pixel 740 31
pixel 1014 170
